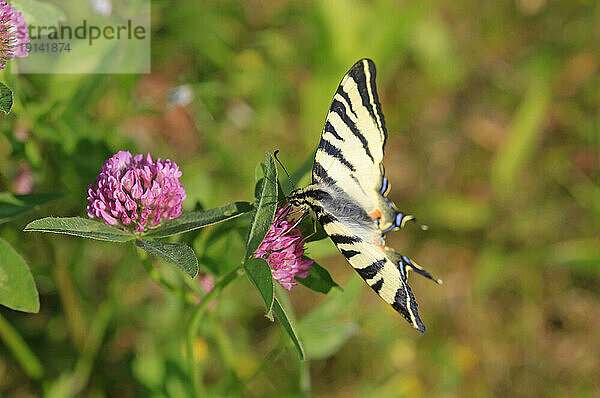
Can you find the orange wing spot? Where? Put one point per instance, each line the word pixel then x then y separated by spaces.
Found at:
pixel 375 214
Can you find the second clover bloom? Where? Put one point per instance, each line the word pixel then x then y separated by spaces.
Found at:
pixel 283 248
pixel 13 34
pixel 136 191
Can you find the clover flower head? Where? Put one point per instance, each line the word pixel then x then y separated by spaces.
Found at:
pixel 13 34
pixel 136 191
pixel 283 248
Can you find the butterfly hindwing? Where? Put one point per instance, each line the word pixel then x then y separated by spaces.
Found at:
pixel 374 265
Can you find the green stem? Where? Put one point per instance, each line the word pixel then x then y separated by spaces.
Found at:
pixel 192 284
pixel 74 318
pixel 193 329
pixel 226 348
pixel 97 332
pixel 304 378
pixel 15 343
pixel 158 278
pixel 69 297
pixel 268 358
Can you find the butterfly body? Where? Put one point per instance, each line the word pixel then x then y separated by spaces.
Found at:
pixel 348 194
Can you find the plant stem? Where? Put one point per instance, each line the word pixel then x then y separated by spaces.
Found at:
pixel 74 318
pixel 96 334
pixel 304 378
pixel 158 278
pixel 193 328
pixel 69 296
pixel 268 358
pixel 23 354
pixel 225 347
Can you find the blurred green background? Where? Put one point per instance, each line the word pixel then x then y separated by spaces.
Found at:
pixel 493 112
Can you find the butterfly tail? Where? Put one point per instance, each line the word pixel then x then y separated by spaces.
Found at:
pixel 404 264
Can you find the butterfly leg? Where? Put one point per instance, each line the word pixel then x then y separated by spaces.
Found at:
pixel 295 224
pixel 314 232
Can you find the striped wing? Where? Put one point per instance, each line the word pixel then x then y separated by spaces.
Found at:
pixel 381 267
pixel 353 139
pixel 350 153
pixel 352 205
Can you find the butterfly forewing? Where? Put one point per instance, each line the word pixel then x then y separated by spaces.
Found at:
pixel 354 136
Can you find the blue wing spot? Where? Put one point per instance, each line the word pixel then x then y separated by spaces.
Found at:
pixel 388 229
pixel 384 186
pixel 402 268
pixel 389 202
pixel 398 221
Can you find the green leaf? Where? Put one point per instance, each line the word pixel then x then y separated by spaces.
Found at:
pixel 17 288
pixel 198 219
pixel 6 98
pixel 13 205
pixel 81 227
pixel 38 13
pixel 324 330
pixel 177 253
pixel 318 280
pixel 337 302
pixel 288 326
pixel 325 339
pixel 259 273
pixel 258 187
pixel 265 209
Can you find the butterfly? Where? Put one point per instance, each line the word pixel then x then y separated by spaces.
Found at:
pixel 348 194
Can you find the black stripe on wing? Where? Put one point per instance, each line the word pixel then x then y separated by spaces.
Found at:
pixel 349 253
pixel 319 171
pixel 331 130
pixel 370 271
pixel 336 153
pixel 377 285
pixel 367 89
pixel 323 217
pixel 346 98
pixel 339 239
pixel 405 298
pixel 340 109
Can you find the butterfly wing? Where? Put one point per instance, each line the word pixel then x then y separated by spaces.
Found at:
pixel 350 188
pixel 354 135
pixel 359 239
pixel 352 145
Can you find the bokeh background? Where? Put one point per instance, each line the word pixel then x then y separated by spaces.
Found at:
pixel 493 111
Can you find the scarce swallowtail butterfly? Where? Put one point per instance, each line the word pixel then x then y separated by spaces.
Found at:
pixel 349 188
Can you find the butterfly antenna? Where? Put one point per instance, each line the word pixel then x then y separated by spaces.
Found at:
pixel 283 167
